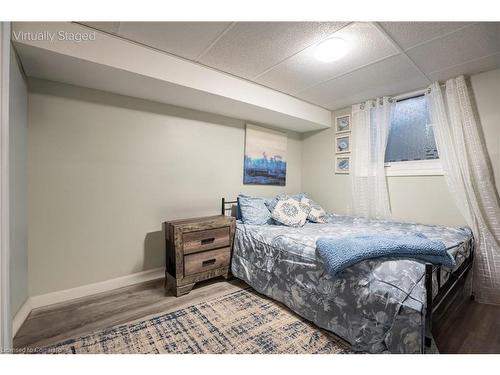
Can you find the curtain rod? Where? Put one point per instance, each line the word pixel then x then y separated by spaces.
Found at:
pixel 413 93
pixel 404 96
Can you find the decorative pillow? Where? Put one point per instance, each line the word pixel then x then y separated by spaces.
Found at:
pixel 238 209
pixel 272 203
pixel 253 210
pixel 290 212
pixel 316 213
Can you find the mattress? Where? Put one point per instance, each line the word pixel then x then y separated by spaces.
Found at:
pixel 377 305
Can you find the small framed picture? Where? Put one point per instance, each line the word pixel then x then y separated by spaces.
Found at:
pixel 342 143
pixel 342 164
pixel 343 124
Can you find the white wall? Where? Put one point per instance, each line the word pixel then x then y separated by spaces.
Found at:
pixel 318 170
pixel 486 90
pixel 423 199
pixel 18 123
pixel 104 172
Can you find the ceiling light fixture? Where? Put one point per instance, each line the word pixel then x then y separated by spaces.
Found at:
pixel 331 49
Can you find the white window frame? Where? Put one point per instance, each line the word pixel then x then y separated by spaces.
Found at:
pixel 430 167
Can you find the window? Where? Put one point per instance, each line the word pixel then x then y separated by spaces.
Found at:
pixel 411 148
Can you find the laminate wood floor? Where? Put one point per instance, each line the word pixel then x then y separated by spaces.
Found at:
pixel 85 315
pixel 468 328
pixel 472 328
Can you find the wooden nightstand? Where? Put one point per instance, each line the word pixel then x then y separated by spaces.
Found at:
pixel 197 249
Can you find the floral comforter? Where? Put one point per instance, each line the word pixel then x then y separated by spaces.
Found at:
pixel 377 305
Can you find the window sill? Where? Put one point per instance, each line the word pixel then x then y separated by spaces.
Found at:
pixel 414 168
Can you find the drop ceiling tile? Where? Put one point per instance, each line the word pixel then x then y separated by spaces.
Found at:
pixel 108 27
pixel 470 43
pixel 301 71
pixel 185 39
pixel 249 48
pixel 471 67
pixel 409 34
pixel 392 76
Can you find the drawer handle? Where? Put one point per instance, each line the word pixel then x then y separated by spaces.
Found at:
pixel 206 241
pixel 209 262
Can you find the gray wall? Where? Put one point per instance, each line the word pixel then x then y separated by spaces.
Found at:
pixel 104 172
pixel 423 199
pixel 18 120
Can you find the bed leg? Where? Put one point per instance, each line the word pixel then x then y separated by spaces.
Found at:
pixel 429 307
pixel 428 342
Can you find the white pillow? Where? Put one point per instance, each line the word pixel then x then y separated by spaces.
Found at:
pixel 316 213
pixel 290 212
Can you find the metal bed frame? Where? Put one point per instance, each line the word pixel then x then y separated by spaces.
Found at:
pixel 445 291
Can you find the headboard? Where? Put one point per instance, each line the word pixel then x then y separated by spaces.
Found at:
pixel 228 206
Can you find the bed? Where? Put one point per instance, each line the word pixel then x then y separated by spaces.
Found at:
pixel 377 305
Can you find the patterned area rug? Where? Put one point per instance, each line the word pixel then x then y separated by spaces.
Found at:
pixel 240 322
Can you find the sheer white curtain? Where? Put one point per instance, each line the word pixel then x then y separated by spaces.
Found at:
pixel 468 175
pixel 371 122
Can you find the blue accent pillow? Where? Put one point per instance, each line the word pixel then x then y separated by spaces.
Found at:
pixel 253 210
pixel 238 209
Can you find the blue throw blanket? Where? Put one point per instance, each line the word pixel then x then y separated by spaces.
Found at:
pixel 339 253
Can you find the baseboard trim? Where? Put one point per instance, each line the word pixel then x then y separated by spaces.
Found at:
pixel 65 295
pixel 21 316
pixel 100 287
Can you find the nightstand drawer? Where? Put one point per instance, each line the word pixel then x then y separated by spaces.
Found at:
pixel 206 239
pixel 207 260
pixel 197 249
